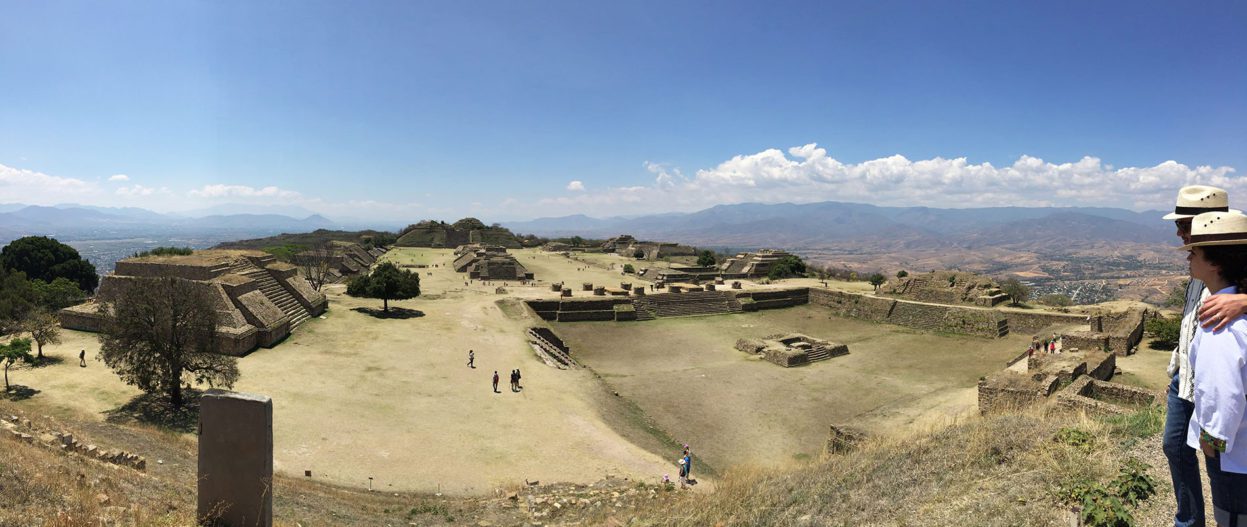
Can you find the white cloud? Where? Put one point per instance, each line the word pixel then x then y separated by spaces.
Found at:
pixel 808 174
pixel 140 190
pixel 576 186
pixel 242 191
pixel 119 177
pixel 28 186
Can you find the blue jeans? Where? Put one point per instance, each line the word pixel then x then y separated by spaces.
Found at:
pixel 1229 494
pixel 1183 463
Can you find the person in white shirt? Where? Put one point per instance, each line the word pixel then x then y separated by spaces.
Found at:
pixel 1218 359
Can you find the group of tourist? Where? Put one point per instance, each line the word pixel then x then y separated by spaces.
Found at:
pixel 1207 396
pixel 1046 346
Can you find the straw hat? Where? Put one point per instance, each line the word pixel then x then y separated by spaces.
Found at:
pixel 1194 200
pixel 1218 228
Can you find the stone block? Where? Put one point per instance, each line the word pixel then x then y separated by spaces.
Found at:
pixel 235 459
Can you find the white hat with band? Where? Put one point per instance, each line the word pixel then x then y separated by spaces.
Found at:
pixel 1194 200
pixel 1218 228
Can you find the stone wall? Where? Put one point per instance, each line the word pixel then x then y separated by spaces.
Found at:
pixel 773 299
pixel 939 318
pixel 1009 390
pixel 1103 398
pixel 1021 322
pixel 1084 340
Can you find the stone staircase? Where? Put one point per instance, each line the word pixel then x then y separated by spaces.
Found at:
pixel 818 353
pixel 273 290
pixel 696 303
pixel 553 346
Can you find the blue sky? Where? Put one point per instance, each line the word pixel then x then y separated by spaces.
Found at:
pixel 512 110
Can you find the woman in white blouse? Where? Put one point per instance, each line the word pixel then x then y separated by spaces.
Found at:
pixel 1218 257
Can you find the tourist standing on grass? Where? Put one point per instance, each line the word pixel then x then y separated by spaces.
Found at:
pixel 471 359
pixel 1183 464
pixel 688 464
pixel 518 376
pixel 496 381
pixel 1217 246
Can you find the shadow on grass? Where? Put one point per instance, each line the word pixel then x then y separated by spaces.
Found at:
pixel 47 360
pixel 18 392
pixel 1162 345
pixel 155 409
pixel 401 313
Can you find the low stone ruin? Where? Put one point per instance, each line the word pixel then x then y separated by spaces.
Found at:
pixel 23 430
pixel 793 349
pixel 751 265
pixel 344 259
pixel 947 287
pixel 1076 380
pixel 489 262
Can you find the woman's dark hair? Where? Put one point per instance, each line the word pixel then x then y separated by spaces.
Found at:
pixel 1231 261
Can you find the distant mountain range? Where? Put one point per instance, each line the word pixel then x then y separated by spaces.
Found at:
pixel 71 221
pixel 836 224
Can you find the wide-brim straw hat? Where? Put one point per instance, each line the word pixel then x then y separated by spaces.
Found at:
pixel 1218 228
pixel 1194 200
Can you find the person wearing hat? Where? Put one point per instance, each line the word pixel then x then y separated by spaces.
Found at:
pixel 1218 425
pixel 1183 463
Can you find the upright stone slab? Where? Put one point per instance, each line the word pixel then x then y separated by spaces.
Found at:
pixel 235 459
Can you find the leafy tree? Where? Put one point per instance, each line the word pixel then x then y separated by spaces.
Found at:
pixel 17 298
pixel 576 241
pixel 787 266
pixel 1017 291
pixel 43 327
pixel 159 331
pixel 17 349
pixel 43 258
pixel 1057 299
pixel 629 269
pixel 166 251
pixel 902 273
pixel 639 254
pixel 877 280
pixel 386 282
pixel 59 294
pixel 1165 332
pixel 706 259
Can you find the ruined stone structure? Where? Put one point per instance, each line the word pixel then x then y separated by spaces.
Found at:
pixel 680 273
pixel 431 233
pixel 792 349
pixel 489 262
pixel 677 303
pixel 346 259
pixel 259 300
pixel 627 246
pixel 551 348
pixel 751 265
pixel 947 287
pixel 1079 381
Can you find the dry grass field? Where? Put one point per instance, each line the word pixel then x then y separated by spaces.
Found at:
pixel 736 409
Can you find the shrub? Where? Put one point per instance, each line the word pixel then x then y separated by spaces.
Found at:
pixel 1165 332
pixel 628 268
pixel 1056 300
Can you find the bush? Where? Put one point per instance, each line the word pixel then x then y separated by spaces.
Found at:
pixel 706 259
pixel 1017 291
pixel 1056 300
pixel 628 268
pixel 638 254
pixel 165 251
pixel 1165 332
pixel 786 267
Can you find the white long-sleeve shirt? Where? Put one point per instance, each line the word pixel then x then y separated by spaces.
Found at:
pixel 1220 363
pixel 1180 360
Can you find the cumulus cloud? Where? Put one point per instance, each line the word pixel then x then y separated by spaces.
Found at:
pixel 119 177
pixel 242 191
pixel 576 186
pixel 28 186
pixel 807 173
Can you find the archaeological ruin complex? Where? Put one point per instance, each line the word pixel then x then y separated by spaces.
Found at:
pixel 629 246
pixel 344 259
pixel 751 265
pixel 489 262
pixel 259 300
pixel 947 287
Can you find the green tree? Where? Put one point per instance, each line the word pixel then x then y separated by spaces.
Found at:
pixel 1057 300
pixel 59 294
pixel 902 273
pixel 43 327
pixel 706 259
pixel 386 282
pixel 43 258
pixel 629 269
pixel 1017 291
pixel 1164 331
pixel 639 254
pixel 576 241
pixel 1177 294
pixel 166 251
pixel 15 350
pixel 17 298
pixel 877 280
pixel 787 266
pixel 160 331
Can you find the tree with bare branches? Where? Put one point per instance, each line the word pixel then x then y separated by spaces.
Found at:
pixel 315 265
pixel 43 327
pixel 160 332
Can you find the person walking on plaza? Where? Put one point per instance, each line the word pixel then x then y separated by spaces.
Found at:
pixel 82 359
pixel 496 382
pixel 518 376
pixel 472 359
pixel 513 381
